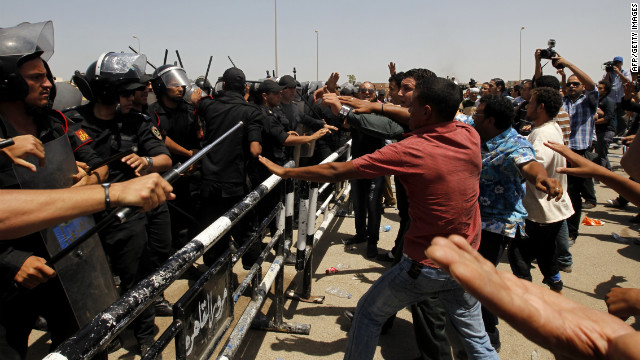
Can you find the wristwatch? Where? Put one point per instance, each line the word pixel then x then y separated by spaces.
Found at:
pixel 149 162
pixel 344 111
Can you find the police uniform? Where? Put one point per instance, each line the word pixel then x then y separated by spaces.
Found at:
pixel 19 312
pixel 125 243
pixel 182 127
pixel 224 173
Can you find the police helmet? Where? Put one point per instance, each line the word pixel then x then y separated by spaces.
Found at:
pixel 111 71
pixel 204 85
pixel 18 45
pixel 168 76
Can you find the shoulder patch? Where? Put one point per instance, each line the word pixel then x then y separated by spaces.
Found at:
pixel 156 132
pixel 82 135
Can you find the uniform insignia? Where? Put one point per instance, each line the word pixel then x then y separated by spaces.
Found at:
pixel 156 132
pixel 82 135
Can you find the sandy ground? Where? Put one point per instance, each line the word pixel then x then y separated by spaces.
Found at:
pixel 600 263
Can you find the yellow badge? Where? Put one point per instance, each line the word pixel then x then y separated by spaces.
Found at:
pixel 156 132
pixel 82 135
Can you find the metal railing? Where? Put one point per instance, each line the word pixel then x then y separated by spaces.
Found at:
pixel 203 315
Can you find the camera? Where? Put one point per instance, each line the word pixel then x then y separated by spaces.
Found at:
pixel 549 53
pixel 608 66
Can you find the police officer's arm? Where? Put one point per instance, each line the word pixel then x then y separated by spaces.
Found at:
pixel 97 176
pixel 293 140
pixel 24 146
pixel 176 149
pixel 329 172
pixel 140 163
pixel 26 211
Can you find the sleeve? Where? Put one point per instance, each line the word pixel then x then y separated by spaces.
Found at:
pixel 11 261
pixel 630 106
pixel 150 140
pixel 80 141
pixel 276 131
pixel 385 161
pixel 254 124
pixel 523 154
pixel 376 125
pixel 592 97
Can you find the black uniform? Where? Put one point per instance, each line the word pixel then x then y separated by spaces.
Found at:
pixel 181 125
pixel 18 314
pixel 224 173
pixel 126 243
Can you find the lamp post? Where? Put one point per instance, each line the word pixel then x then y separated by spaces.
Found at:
pixel 317 58
pixel 137 38
pixel 275 11
pixel 520 72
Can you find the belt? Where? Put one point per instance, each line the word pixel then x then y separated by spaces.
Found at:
pixel 415 268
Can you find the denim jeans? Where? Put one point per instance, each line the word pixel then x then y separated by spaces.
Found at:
pixel 563 256
pixel 400 287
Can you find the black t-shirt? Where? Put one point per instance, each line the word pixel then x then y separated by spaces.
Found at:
pixel 179 124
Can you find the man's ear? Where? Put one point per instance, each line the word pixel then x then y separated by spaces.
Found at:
pixel 427 110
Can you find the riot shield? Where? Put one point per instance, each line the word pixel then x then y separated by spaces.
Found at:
pixel 84 274
pixel 67 95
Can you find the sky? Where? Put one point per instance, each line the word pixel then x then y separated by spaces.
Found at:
pixel 462 39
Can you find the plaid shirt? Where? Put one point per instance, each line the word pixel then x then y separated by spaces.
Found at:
pixel 581 112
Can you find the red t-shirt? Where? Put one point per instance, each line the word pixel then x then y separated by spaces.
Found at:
pixel 439 166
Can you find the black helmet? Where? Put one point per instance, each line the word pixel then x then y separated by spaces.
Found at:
pixel 18 45
pixel 106 75
pixel 168 76
pixel 204 85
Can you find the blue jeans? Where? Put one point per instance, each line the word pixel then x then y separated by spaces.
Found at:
pixel 563 256
pixel 403 285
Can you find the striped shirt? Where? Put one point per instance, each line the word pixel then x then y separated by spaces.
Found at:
pixel 581 113
pixel 564 121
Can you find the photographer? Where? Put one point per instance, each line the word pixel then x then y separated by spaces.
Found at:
pixel 617 76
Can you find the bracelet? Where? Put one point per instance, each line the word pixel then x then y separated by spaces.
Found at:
pixel 107 198
pixel 149 162
pixel 97 176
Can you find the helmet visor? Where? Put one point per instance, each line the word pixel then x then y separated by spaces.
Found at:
pixel 175 77
pixel 26 38
pixel 123 65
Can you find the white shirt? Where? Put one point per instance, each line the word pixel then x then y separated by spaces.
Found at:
pixel 539 209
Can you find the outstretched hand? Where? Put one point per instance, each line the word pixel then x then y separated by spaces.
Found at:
pixel 332 82
pixel 549 319
pixel 579 165
pixel 392 68
pixel 359 106
pixel 274 168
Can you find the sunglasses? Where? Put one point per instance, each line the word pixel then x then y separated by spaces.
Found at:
pixel 367 90
pixel 574 83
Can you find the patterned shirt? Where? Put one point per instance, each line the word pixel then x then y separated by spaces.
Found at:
pixel 502 187
pixel 617 88
pixel 581 112
pixel 564 121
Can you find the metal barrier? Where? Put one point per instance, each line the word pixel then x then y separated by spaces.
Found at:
pixel 204 313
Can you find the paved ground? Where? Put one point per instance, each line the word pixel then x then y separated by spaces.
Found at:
pixel 600 263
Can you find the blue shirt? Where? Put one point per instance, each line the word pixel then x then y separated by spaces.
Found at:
pixel 502 187
pixel 617 89
pixel 581 113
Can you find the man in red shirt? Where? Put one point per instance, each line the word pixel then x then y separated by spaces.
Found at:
pixel 439 164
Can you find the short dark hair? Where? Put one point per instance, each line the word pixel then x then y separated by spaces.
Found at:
pixel 443 95
pixel 396 78
pixel 548 81
pixel 499 82
pixel 419 74
pixel 607 85
pixel 500 108
pixel 551 99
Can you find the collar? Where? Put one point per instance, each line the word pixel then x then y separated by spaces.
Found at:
pixel 494 142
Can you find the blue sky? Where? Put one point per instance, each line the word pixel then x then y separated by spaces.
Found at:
pixel 478 39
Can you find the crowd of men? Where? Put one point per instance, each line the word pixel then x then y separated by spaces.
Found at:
pixel 501 147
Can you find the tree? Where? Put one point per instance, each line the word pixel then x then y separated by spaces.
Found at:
pixel 352 78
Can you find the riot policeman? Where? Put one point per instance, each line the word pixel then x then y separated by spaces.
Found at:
pixel 26 92
pixel 182 134
pixel 109 131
